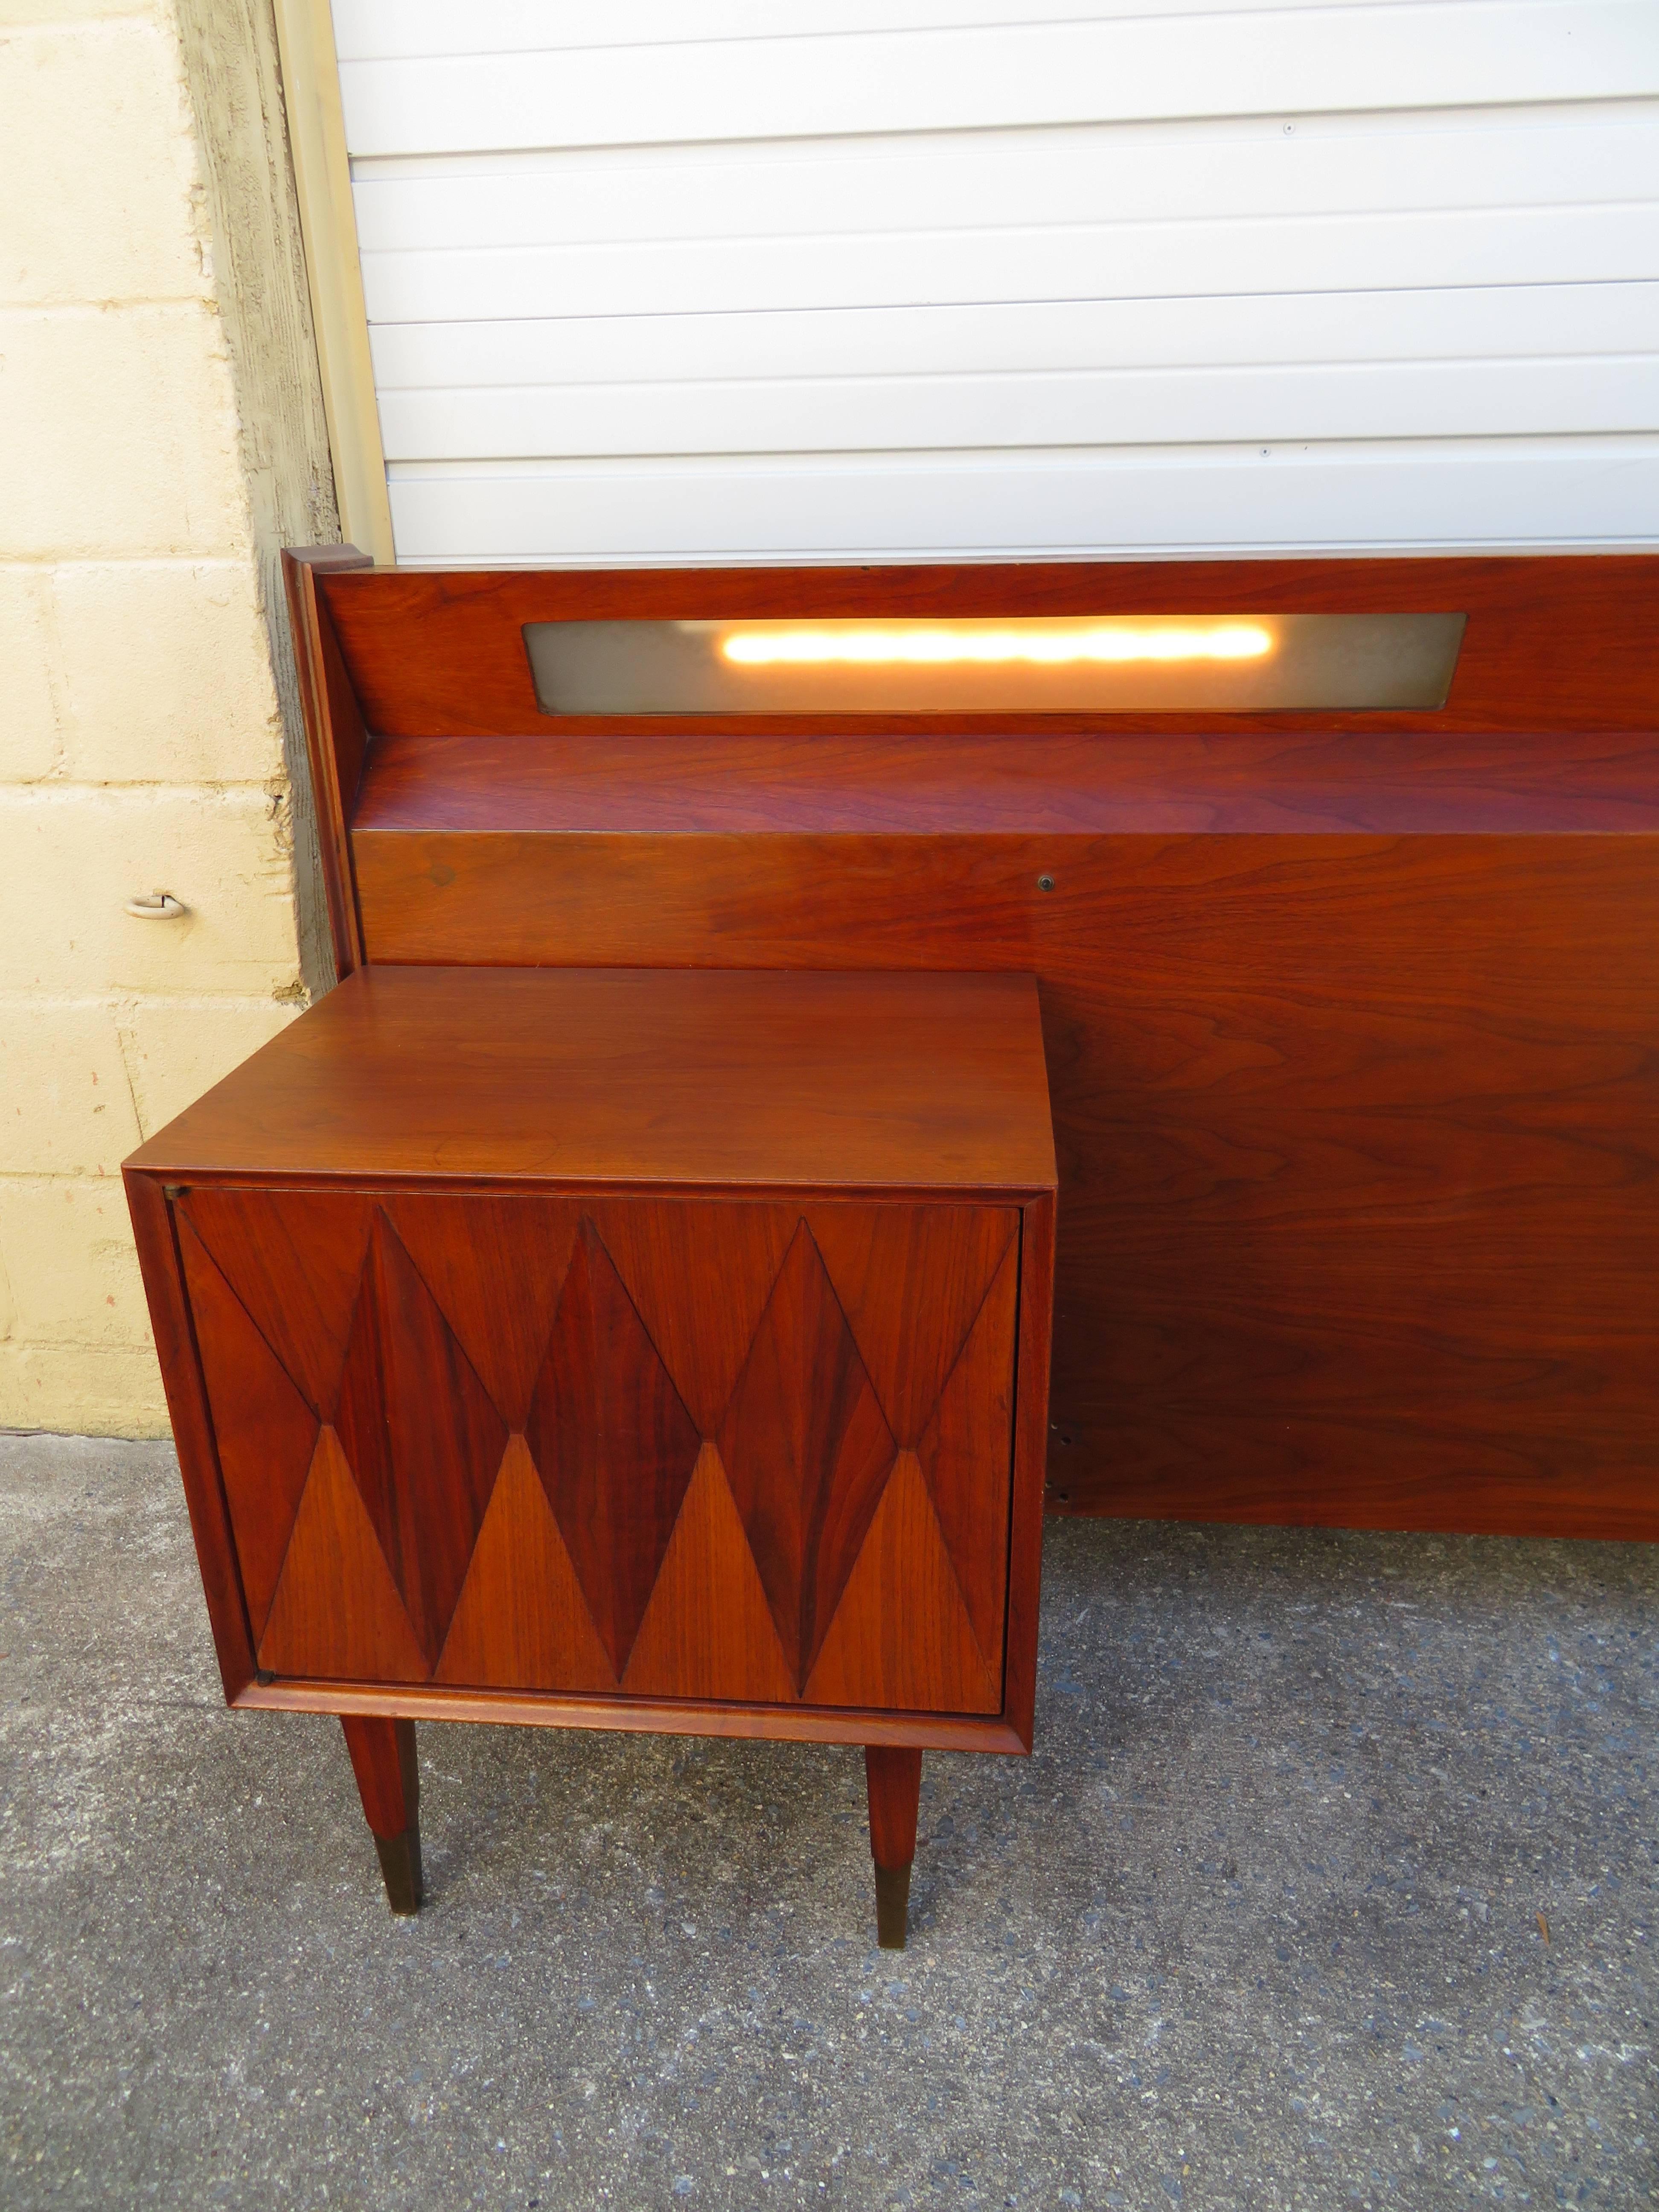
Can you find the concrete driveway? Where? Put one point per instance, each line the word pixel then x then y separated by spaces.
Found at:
pixel 1331 1883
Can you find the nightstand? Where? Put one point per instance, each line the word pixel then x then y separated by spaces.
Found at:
pixel 620 1349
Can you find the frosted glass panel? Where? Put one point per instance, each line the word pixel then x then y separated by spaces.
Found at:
pixel 1027 665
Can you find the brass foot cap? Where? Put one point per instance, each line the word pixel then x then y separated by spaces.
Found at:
pixel 400 1862
pixel 892 1905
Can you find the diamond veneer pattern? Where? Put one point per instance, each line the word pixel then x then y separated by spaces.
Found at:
pixel 967 1457
pixel 496 1266
pixel 338 1613
pixel 421 1435
pixel 613 1443
pixel 522 1622
pixel 294 1260
pixel 669 1256
pixel 708 1631
pixel 266 1433
pixel 806 1451
pixel 911 1280
pixel 901 1635
pixel 429 1328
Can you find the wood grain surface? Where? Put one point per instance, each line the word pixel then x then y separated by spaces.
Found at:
pixel 411 1528
pixel 420 1433
pixel 266 1432
pixel 1126 783
pixel 1032 1429
pixel 709 1629
pixel 521 1617
pixel 176 1347
pixel 885 1082
pixel 612 1441
pixel 809 1454
pixel 1554 639
pixel 741 1721
pixel 1350 1019
pixel 388 1773
pixel 338 1609
pixel 893 1779
pixel 336 738
pixel 1358 1135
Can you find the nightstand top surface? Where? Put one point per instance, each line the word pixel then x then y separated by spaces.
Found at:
pixel 729 1079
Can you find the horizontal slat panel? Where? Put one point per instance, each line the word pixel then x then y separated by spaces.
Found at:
pixel 1124 261
pixel 1238 330
pixel 1114 406
pixel 1453 54
pixel 1533 492
pixel 1004 180
pixel 983 275
pixel 394 29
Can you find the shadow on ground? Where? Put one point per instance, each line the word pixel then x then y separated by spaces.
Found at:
pixel 1331 1883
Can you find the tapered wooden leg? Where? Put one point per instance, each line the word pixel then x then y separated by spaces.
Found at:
pixel 894 1778
pixel 389 1783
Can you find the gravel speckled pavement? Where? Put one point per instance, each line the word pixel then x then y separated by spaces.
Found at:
pixel 1331 1883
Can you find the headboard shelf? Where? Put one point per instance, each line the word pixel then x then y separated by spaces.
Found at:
pixel 1144 783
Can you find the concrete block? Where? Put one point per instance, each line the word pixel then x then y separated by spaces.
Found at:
pixel 167 673
pixel 29 716
pixel 114 1390
pixel 66 1245
pixel 121 435
pixel 174 1052
pixel 74 855
pixel 97 148
pixel 66 1105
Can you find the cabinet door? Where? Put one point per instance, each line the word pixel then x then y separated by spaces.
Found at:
pixel 649 1447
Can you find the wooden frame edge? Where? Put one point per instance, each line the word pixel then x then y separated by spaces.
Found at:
pixel 471 675
pixel 1036 1299
pixel 413 1183
pixel 321 670
pixel 192 1429
pixel 533 1708
pixel 328 225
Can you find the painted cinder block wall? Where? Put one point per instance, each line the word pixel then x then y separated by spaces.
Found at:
pixel 143 741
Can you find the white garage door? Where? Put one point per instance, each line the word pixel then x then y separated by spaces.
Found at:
pixel 680 280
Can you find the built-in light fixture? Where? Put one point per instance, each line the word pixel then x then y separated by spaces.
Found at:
pixel 1013 664
pixel 991 645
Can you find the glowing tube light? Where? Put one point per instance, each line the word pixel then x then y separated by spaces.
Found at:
pixel 938 665
pixel 919 647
